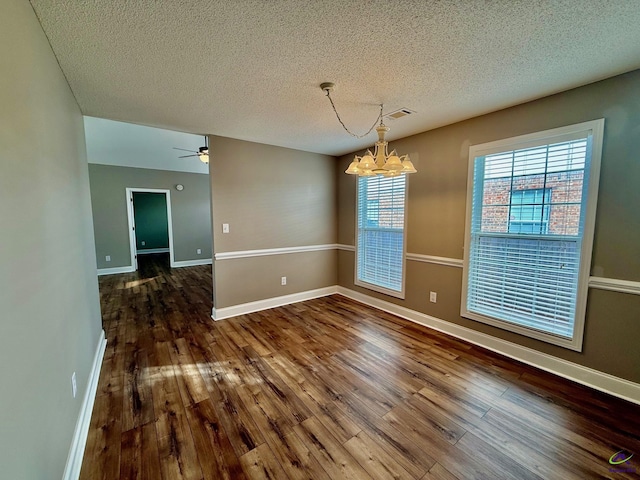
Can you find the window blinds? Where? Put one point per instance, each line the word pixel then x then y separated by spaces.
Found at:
pixel 380 235
pixel 529 276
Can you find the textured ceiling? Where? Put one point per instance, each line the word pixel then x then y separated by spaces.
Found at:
pixel 251 69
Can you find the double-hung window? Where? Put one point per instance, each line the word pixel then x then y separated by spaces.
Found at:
pixel 530 219
pixel 380 242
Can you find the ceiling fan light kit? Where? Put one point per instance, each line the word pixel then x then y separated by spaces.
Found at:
pixel 380 162
pixel 202 153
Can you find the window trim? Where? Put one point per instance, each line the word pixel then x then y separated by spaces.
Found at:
pixel 373 286
pixel 596 129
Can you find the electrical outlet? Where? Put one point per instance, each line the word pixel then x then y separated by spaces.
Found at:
pixel 283 281
pixel 199 251
pixel 108 258
pixel 74 386
pixel 225 228
pixel 433 297
pixel 143 243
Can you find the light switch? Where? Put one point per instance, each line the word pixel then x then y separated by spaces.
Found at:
pixel 225 228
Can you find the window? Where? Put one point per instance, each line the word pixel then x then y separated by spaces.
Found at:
pixel 530 219
pixel 380 245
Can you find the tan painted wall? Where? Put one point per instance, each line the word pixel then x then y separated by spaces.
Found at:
pixel 244 280
pixel 50 316
pixel 271 197
pixel 436 213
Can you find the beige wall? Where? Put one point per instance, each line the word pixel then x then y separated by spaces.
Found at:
pixel 245 280
pixel 436 212
pixel 190 211
pixel 271 197
pixel 50 324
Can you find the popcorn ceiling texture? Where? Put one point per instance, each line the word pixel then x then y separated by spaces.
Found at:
pixel 251 69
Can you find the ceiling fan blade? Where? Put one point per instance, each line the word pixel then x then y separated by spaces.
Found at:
pixel 184 149
pixel 187 156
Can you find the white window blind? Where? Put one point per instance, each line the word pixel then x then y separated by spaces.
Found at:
pixel 380 233
pixel 525 256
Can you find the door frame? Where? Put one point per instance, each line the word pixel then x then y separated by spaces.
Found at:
pixel 132 225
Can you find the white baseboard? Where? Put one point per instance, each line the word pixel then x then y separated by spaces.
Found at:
pixel 191 263
pixel 115 270
pixel 79 441
pixel 244 308
pixel 604 382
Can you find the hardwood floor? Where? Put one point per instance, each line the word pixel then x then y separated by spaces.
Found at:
pixel 327 389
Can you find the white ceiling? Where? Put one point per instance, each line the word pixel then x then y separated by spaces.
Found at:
pixel 128 145
pixel 251 69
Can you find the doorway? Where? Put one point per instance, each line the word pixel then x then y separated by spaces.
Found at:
pixel 150 226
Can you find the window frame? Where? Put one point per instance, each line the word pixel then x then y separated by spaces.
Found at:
pixel 595 129
pixel 373 286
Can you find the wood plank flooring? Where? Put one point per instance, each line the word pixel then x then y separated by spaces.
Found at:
pixel 327 389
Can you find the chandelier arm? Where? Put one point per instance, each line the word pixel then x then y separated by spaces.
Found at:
pixel 345 127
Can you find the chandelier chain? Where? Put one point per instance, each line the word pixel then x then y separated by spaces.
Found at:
pixel 345 127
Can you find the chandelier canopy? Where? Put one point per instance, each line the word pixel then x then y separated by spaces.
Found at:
pixel 380 162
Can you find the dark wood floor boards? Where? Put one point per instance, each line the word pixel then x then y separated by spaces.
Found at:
pixel 217 456
pixel 326 389
pixel 139 453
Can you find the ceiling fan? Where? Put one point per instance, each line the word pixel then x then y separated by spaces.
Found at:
pixel 202 153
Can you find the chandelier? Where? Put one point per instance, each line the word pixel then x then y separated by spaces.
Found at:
pixel 380 162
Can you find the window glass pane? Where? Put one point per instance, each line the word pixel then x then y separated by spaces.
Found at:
pixel 527 182
pixel 528 212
